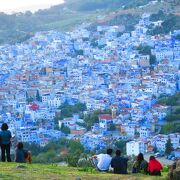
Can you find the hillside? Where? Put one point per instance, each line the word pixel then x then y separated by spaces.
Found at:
pixel 20 26
pixel 172 124
pixel 54 172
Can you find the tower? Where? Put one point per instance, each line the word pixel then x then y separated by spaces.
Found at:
pixel 114 109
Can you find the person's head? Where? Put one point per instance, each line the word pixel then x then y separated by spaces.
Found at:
pixel 140 157
pixel 4 127
pixel 109 151
pixel 19 145
pixel 151 158
pixel 118 152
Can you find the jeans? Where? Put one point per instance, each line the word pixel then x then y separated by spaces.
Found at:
pixel 5 149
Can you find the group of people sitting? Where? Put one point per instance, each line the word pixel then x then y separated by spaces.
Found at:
pixel 102 162
pixel 21 155
pixel 140 165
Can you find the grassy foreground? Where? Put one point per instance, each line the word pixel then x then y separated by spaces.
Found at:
pixel 10 171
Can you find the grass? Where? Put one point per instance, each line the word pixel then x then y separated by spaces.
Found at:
pixel 9 171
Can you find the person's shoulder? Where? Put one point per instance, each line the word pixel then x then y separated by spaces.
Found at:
pixel 144 162
pixel 124 158
pixel 100 155
pixel 114 158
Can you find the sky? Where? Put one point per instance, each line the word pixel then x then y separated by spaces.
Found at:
pixel 10 6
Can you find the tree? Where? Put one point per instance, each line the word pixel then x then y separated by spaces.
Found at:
pixel 146 50
pixel 27 96
pixel 121 145
pixel 68 110
pixel 172 117
pixel 75 146
pixel 38 97
pixel 170 128
pixel 34 148
pixel 75 151
pixel 168 146
pixel 65 129
pixel 152 59
pixel 112 127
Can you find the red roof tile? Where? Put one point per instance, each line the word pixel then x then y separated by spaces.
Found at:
pixel 105 116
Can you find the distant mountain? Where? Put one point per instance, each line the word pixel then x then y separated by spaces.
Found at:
pixel 20 26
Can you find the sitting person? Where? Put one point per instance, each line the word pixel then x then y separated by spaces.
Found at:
pixel 22 155
pixel 140 165
pixel 154 166
pixel 172 168
pixel 119 164
pixel 175 171
pixel 102 161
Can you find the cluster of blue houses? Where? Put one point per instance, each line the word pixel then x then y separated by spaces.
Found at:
pixel 98 68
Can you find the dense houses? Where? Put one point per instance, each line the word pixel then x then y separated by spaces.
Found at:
pixel 151 143
pixel 102 69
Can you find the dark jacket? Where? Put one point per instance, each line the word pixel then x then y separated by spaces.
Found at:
pixel 119 164
pixel 5 137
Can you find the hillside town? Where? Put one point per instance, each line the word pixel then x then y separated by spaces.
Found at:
pixel 103 69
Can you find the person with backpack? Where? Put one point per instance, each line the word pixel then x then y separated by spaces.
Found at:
pixel 5 138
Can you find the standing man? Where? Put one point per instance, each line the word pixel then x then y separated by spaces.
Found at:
pixel 119 164
pixel 5 137
pixel 102 161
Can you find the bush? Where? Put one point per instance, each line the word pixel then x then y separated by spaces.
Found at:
pixel 83 162
pixel 165 169
pixel 72 159
pixel 85 165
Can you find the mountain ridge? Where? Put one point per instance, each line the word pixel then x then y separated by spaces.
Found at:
pixel 65 17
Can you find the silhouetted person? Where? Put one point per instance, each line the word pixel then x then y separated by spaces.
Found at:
pixel 119 164
pixel 174 173
pixel 102 161
pixel 5 136
pixel 154 166
pixel 22 155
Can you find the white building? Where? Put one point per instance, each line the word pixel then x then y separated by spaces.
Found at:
pixel 164 54
pixel 130 131
pixel 135 147
pixel 29 135
pixel 55 102
pixel 144 132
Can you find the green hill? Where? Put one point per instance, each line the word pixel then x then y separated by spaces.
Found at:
pixel 41 171
pixel 20 26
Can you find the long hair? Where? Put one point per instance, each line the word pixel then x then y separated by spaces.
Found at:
pixel 140 157
pixel 19 145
